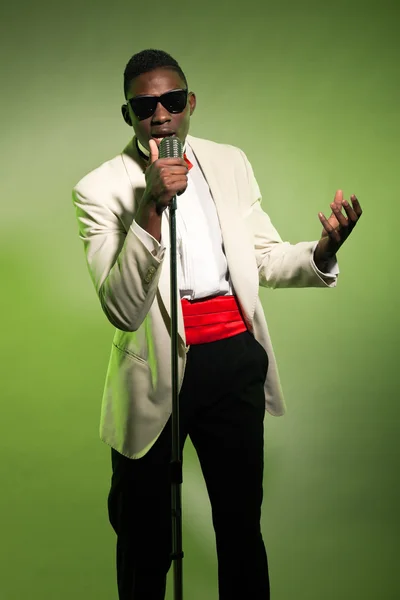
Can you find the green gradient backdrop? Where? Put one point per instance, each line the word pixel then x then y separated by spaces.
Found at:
pixel 311 94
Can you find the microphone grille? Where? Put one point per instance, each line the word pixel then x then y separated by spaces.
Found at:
pixel 171 147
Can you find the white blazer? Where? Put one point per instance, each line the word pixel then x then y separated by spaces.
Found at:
pixel 134 291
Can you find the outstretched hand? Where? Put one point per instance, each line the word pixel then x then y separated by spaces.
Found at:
pixel 337 228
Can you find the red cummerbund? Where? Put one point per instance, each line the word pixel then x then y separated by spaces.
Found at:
pixel 212 320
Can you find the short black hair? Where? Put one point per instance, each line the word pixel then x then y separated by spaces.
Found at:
pixel 148 60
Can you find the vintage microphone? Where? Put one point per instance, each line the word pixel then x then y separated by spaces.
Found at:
pixel 171 147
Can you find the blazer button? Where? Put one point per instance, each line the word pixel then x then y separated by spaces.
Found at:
pixel 150 274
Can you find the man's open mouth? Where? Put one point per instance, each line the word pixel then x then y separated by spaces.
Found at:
pixel 162 135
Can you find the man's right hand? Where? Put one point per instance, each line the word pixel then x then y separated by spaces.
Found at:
pixel 165 177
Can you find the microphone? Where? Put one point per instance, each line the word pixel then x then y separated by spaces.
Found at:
pixel 171 147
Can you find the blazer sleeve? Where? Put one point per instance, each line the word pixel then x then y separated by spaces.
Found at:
pixel 280 264
pixel 124 271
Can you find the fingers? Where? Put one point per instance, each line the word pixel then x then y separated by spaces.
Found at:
pixel 353 211
pixel 153 151
pixel 172 162
pixel 165 178
pixel 167 170
pixel 350 212
pixel 175 185
pixel 330 230
pixel 339 226
pixel 356 205
pixel 336 209
pixel 338 199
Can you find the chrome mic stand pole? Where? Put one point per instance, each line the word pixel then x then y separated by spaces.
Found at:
pixel 176 458
pixel 171 147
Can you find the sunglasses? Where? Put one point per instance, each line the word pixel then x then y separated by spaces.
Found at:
pixel 145 106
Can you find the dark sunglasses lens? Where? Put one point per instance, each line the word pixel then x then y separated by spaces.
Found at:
pixel 143 107
pixel 174 102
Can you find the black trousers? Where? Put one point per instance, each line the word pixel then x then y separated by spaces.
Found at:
pixel 222 409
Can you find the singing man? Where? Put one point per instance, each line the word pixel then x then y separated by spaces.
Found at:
pixel 228 377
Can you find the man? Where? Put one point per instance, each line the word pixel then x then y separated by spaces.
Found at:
pixel 227 247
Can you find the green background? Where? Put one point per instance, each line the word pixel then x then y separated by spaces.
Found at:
pixel 310 91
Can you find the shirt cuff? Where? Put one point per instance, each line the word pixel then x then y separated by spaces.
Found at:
pixel 156 248
pixel 332 270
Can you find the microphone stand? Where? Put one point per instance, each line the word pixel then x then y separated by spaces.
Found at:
pixel 171 147
pixel 176 455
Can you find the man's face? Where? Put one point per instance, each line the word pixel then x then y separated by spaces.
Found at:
pixel 162 122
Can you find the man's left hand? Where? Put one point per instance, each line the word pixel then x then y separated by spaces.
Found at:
pixel 337 228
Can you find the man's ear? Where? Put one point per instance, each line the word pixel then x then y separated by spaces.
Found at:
pixel 192 102
pixel 125 114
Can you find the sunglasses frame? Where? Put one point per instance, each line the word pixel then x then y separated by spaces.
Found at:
pixel 156 100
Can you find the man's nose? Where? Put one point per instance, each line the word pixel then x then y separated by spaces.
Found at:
pixel 161 115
